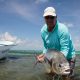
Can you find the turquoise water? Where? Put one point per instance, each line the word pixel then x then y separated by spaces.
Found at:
pixel 21 67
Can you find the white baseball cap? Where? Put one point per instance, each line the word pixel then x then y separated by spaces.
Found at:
pixel 49 11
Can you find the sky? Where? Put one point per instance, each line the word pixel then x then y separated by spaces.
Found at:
pixel 22 20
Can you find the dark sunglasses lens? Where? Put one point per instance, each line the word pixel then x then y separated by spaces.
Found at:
pixel 49 17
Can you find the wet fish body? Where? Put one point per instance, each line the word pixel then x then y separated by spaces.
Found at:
pixel 59 65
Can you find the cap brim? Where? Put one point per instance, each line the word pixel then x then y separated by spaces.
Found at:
pixel 49 14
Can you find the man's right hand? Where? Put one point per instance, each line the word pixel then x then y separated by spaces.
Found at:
pixel 40 58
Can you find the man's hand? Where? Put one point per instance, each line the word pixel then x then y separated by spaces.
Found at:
pixel 40 58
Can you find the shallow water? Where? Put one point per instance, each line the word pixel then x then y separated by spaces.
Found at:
pixel 23 68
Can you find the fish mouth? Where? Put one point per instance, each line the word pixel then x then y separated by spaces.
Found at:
pixel 66 72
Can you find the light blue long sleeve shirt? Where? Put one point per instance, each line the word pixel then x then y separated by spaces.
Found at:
pixel 58 39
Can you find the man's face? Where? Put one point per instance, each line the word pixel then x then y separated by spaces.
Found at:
pixel 50 21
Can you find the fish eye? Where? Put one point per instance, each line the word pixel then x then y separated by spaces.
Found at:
pixel 59 65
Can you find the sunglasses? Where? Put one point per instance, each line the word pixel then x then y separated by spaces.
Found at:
pixel 49 17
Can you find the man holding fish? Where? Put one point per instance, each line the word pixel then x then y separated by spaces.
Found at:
pixel 55 35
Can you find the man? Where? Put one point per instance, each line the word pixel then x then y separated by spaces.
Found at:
pixel 55 35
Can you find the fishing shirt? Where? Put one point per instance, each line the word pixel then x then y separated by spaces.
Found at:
pixel 59 39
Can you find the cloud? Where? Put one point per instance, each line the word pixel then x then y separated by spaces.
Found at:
pixel 76 39
pixel 21 10
pixel 22 44
pixel 41 1
pixel 25 11
pixel 77 43
pixel 8 37
pixel 69 25
pixel 31 45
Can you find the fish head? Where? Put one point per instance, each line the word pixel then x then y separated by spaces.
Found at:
pixel 62 68
pixel 60 65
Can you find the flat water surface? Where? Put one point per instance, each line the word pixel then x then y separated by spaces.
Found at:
pixel 23 68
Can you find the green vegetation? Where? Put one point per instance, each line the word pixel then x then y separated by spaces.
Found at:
pixel 26 51
pixel 77 52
